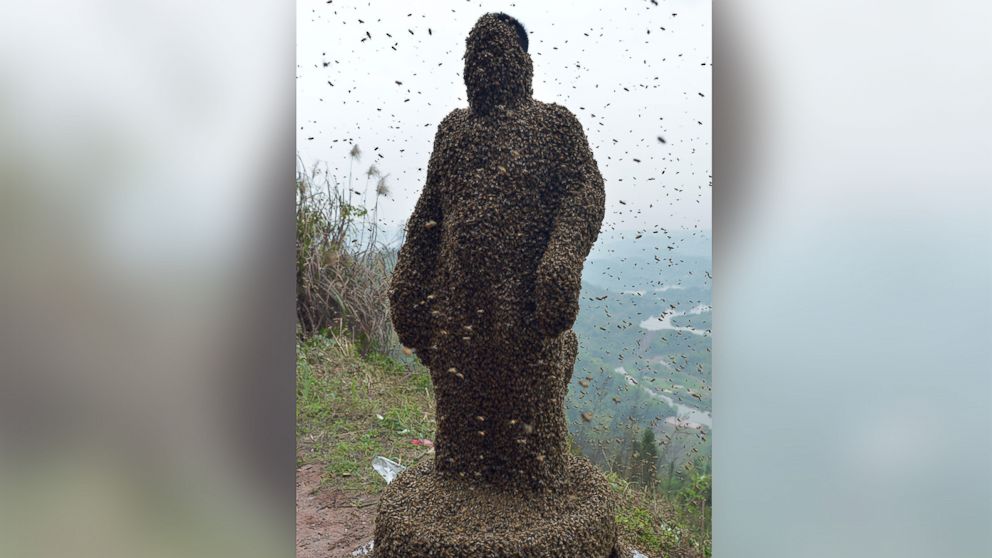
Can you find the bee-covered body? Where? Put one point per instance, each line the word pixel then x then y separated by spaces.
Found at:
pixel 486 290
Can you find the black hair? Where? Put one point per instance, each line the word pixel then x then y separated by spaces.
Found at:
pixel 517 26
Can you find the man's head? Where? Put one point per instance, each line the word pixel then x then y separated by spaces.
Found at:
pixel 498 70
pixel 517 27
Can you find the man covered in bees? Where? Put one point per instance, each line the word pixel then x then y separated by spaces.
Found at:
pixel 486 289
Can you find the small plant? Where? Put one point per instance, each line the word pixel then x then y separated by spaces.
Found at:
pixel 652 523
pixel 697 496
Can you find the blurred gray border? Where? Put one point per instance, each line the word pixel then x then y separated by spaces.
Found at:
pixel 852 280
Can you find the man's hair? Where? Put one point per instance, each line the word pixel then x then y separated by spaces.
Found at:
pixel 517 26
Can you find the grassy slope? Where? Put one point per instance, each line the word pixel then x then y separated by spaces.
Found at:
pixel 340 398
pixel 351 409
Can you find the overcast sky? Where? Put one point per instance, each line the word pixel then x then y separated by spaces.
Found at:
pixel 631 70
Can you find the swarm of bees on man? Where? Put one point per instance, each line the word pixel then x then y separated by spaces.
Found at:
pixel 485 291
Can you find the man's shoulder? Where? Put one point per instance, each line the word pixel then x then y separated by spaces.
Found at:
pixel 553 108
pixel 558 113
pixel 454 118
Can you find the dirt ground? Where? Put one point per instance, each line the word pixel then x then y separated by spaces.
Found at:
pixel 330 523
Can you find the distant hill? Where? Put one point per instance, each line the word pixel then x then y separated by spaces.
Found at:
pixel 644 358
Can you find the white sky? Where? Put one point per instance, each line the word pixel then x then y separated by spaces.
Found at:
pixel 627 86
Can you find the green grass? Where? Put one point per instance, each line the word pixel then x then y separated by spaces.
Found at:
pixel 351 409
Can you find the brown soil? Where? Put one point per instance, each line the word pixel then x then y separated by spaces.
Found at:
pixel 330 523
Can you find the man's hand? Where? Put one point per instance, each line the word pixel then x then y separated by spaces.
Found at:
pixel 425 356
pixel 557 294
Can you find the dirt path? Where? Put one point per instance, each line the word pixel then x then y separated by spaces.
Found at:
pixel 330 523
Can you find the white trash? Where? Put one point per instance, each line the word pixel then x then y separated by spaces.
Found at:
pixel 363 550
pixel 388 469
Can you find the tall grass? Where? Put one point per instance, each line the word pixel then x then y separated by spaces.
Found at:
pixel 343 261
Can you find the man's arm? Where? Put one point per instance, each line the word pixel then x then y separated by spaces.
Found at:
pixel 409 306
pixel 576 226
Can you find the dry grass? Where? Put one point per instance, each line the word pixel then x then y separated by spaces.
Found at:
pixel 342 264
